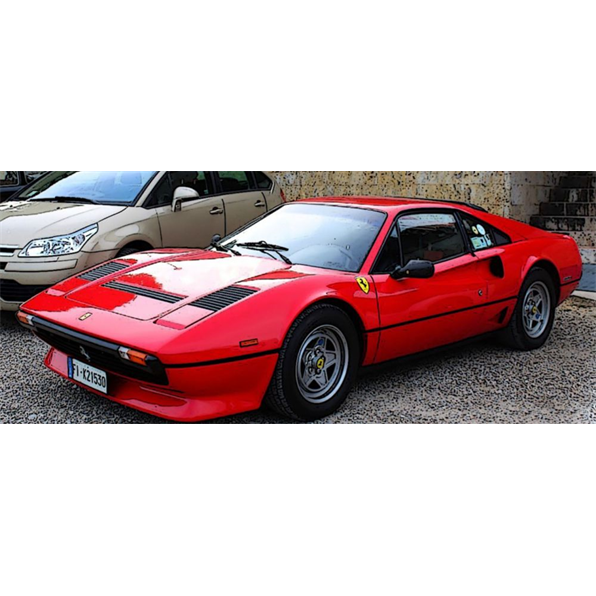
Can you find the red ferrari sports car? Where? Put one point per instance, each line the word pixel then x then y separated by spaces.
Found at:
pixel 286 310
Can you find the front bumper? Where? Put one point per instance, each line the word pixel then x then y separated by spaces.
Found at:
pixel 21 279
pixel 193 393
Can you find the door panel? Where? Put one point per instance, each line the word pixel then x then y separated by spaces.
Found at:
pixel 242 208
pixel 194 225
pixel 421 314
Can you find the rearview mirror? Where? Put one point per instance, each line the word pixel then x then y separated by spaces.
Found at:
pixel 415 269
pixel 182 194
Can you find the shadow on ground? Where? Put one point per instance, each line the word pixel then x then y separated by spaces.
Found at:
pixel 479 383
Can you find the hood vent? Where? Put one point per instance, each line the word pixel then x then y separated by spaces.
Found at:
pixel 146 292
pixel 103 271
pixel 223 298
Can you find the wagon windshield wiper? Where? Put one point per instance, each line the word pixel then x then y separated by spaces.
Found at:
pixel 65 199
pixel 217 245
pixel 264 246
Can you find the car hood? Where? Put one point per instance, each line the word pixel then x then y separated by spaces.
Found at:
pixel 23 221
pixel 150 291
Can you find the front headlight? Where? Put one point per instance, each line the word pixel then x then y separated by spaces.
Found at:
pixel 59 245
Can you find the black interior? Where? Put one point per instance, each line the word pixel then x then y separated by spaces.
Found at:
pixel 432 243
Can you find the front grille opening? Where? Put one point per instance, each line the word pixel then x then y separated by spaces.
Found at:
pixel 103 271
pixel 223 298
pixel 104 360
pixel 13 291
pixel 7 251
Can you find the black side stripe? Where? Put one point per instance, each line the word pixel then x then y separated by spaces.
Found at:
pixel 223 360
pixel 444 314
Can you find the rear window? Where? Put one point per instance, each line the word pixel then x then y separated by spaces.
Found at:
pixel 481 235
pixel 262 181
pixel 234 181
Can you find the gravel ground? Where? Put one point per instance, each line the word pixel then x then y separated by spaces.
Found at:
pixel 480 383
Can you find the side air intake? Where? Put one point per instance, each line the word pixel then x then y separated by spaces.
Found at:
pixel 223 298
pixel 103 271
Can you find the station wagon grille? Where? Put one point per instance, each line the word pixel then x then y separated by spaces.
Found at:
pixel 146 292
pixel 12 291
pixel 223 298
pixel 103 271
pixel 7 251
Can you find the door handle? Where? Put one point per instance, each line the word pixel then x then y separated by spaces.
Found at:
pixel 260 203
pixel 216 211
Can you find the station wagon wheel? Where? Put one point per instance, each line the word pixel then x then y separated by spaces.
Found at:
pixel 534 315
pixel 317 364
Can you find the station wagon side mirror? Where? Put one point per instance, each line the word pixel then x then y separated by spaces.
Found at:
pixel 183 194
pixel 415 269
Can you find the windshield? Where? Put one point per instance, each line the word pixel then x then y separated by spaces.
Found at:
pixel 324 236
pixel 105 188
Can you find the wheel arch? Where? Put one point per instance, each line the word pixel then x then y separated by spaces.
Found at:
pixel 352 314
pixel 141 245
pixel 551 269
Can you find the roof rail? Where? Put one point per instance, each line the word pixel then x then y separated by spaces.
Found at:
pixel 471 205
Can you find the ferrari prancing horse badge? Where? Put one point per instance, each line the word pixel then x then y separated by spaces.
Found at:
pixel 364 285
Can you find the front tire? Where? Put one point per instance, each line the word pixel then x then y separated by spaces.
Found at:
pixel 534 316
pixel 317 365
pixel 127 251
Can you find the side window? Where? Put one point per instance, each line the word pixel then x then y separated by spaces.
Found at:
pixel 481 235
pixel 9 178
pixel 234 181
pixel 163 193
pixel 263 182
pixel 31 176
pixel 199 181
pixel 430 236
pixel 389 257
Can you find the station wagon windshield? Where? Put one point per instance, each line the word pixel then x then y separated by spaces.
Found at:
pixel 103 188
pixel 326 236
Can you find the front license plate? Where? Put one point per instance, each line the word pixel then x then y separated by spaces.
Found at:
pixel 88 375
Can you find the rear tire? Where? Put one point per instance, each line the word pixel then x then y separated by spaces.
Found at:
pixel 317 365
pixel 534 315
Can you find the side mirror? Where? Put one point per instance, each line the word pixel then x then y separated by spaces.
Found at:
pixel 415 269
pixel 182 194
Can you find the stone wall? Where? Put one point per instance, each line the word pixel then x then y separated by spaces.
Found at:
pixel 511 194
pixel 528 190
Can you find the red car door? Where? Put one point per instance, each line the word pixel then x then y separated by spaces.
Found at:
pixel 421 314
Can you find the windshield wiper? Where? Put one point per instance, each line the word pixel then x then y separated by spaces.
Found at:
pixel 266 247
pixel 217 245
pixel 65 199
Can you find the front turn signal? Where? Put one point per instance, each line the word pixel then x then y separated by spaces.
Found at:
pixel 133 356
pixel 25 319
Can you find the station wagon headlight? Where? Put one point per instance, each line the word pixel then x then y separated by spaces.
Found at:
pixel 59 245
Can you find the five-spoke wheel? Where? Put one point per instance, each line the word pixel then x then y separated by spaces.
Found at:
pixel 317 364
pixel 322 364
pixel 534 315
